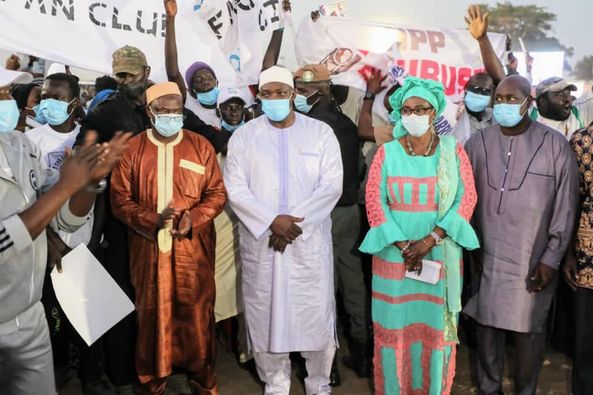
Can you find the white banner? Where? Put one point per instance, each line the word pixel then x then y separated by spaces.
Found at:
pixel 84 33
pixel 243 29
pixel 351 48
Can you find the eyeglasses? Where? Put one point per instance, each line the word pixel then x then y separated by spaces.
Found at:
pixel 417 111
pixel 164 111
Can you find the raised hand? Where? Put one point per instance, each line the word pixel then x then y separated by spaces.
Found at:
pixel 375 81
pixel 529 61
pixel 171 8
pixel 512 63
pixel 477 22
pixel 77 170
pixel 286 6
pixel 114 150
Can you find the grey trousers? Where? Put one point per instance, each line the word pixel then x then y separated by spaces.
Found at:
pixel 26 363
pixel 528 358
pixel 348 269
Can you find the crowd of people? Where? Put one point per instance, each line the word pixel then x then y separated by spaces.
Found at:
pixel 241 213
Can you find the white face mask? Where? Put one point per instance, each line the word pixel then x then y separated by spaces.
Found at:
pixel 416 125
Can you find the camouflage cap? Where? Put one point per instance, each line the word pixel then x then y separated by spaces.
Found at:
pixel 312 73
pixel 128 60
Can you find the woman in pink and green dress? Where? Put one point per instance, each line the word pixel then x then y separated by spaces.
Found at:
pixel 420 198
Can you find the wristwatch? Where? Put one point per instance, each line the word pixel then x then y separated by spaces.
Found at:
pixel 369 96
pixel 439 241
pixel 97 188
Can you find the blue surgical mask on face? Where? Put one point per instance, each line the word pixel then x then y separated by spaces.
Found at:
pixel 276 110
pixel 39 117
pixel 208 98
pixel 508 115
pixel 55 111
pixel 301 103
pixel 392 118
pixel 229 127
pixel 168 125
pixel 9 115
pixel 475 102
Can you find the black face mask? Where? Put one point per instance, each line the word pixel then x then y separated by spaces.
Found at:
pixel 133 90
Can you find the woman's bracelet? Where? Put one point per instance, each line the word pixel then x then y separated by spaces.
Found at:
pixel 406 247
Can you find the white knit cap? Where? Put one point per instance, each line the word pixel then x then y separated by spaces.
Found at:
pixel 276 74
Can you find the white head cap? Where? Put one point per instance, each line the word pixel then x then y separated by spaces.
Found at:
pixel 56 68
pixel 9 77
pixel 276 74
pixel 228 92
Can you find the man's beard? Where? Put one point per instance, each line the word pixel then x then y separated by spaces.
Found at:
pixel 557 115
pixel 133 90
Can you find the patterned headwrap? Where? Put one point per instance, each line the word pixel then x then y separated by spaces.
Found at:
pixel 429 90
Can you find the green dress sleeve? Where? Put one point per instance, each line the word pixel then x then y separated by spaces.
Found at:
pixel 384 230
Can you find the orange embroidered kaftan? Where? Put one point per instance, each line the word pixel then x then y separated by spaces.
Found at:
pixel 173 279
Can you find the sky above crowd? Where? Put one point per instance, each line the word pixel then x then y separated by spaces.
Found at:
pixel 573 16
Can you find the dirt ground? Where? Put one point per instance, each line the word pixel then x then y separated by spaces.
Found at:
pixel 234 380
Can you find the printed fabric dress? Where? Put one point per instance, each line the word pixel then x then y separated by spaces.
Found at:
pixel 415 323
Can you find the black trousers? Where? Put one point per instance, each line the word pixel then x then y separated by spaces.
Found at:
pixel 119 342
pixel 528 350
pixel 582 370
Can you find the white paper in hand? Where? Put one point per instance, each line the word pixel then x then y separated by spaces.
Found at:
pixel 91 299
pixel 431 272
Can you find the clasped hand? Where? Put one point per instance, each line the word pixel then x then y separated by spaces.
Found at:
pixel 414 251
pixel 181 221
pixel 284 231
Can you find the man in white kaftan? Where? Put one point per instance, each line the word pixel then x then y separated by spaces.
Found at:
pixel 284 176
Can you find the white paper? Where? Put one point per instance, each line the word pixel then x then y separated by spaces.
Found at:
pixel 91 299
pixel 431 272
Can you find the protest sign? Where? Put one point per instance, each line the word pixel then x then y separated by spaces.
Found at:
pixel 351 48
pixel 84 33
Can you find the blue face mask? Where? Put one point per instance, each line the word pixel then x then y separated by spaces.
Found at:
pixel 168 125
pixel 301 102
pixel 475 102
pixel 9 115
pixel 39 117
pixel 508 115
pixel 276 110
pixel 229 127
pixel 392 118
pixel 208 98
pixel 55 111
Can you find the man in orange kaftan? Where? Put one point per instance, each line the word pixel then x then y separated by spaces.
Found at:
pixel 168 189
